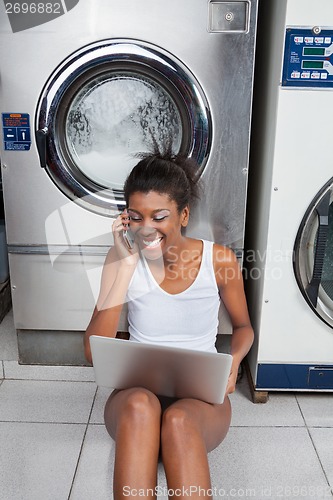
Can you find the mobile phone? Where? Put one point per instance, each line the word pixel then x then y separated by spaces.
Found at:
pixel 128 238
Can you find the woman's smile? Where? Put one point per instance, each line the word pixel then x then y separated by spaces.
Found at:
pixel 152 243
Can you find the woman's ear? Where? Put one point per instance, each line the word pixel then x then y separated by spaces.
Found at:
pixel 185 216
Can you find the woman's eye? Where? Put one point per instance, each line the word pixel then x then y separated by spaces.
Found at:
pixel 139 219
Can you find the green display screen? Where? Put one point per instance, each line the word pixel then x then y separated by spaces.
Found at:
pixel 312 64
pixel 313 51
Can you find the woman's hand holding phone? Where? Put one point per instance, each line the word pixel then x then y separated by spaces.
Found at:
pixel 128 250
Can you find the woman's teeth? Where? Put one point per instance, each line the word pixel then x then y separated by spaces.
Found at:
pixel 153 243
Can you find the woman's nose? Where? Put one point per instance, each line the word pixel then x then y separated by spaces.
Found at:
pixel 147 227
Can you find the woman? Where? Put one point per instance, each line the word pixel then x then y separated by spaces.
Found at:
pixel 173 285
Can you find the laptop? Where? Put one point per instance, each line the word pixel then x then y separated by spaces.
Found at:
pixel 164 370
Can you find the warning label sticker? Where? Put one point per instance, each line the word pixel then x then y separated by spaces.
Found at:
pixel 16 131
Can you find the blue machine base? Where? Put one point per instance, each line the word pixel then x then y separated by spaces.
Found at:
pixel 294 377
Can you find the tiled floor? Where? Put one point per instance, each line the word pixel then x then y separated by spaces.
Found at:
pixel 53 444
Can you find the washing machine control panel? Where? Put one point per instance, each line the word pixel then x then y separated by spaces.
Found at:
pixel 308 58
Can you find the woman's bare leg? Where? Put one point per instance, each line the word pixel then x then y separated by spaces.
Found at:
pixel 133 419
pixel 191 428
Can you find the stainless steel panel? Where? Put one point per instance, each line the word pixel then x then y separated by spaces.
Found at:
pixel 57 294
pixel 45 347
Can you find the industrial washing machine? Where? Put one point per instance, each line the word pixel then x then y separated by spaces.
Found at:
pixel 81 95
pixel 289 235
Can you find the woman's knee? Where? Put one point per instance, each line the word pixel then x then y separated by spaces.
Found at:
pixel 183 425
pixel 131 406
pixel 141 403
pixel 177 424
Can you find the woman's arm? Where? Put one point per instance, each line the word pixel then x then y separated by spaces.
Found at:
pixel 114 284
pixel 118 270
pixel 230 283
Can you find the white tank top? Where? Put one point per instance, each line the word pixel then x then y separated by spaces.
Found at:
pixel 188 319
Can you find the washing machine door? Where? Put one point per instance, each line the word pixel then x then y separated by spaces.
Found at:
pixel 313 255
pixel 108 102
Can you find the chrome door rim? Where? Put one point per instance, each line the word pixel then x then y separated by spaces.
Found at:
pixel 303 257
pixel 115 55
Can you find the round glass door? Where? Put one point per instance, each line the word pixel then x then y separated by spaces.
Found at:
pixel 313 255
pixel 113 116
pixel 108 103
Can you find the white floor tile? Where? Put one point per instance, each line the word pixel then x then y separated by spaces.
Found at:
pixel 280 409
pixel 267 463
pixel 161 483
pixel 41 401
pixel 97 414
pixel 37 461
pixel 8 338
pixel 13 370
pixel 317 409
pixel 94 475
pixel 323 439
